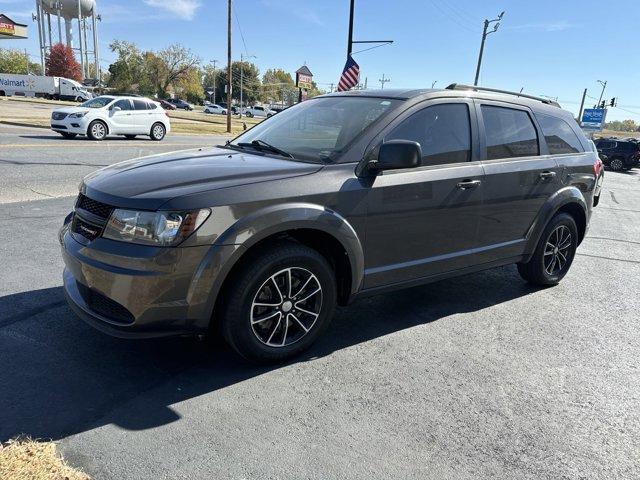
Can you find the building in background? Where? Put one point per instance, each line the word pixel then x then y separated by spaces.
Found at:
pixel 10 29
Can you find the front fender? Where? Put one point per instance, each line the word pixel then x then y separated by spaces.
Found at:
pixel 274 219
pixel 554 203
pixel 234 242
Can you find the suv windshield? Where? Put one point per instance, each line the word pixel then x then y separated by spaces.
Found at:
pixel 318 129
pixel 97 102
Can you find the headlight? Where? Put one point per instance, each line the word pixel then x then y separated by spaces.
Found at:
pixel 161 229
pixel 78 115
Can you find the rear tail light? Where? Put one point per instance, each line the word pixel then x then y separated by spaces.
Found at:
pixel 597 167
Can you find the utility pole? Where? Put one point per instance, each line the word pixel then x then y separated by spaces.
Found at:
pixel 584 96
pixel 383 81
pixel 229 67
pixel 214 81
pixel 331 88
pixel 433 84
pixel 485 33
pixel 242 75
pixel 604 85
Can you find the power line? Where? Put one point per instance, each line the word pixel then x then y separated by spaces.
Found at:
pixel 240 30
pixel 453 19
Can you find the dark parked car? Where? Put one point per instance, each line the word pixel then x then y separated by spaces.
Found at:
pixel 180 104
pixel 342 196
pixel 166 105
pixel 618 154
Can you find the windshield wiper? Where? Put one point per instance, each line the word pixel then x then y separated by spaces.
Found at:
pixel 262 145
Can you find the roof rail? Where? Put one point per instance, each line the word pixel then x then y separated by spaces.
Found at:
pixel 460 86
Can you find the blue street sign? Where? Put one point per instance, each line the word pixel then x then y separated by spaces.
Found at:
pixel 593 118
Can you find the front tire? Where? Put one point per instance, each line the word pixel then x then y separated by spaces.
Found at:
pixel 97 130
pixel 616 164
pixel 554 253
pixel 158 131
pixel 280 302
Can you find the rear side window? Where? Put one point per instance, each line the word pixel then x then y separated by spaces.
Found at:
pixel 509 133
pixel 139 105
pixel 443 132
pixel 559 136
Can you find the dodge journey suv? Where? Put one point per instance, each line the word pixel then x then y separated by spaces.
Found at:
pixel 341 196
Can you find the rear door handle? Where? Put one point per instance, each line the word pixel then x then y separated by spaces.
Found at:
pixel 546 175
pixel 468 184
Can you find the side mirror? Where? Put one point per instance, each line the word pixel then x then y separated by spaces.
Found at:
pixel 116 109
pixel 397 154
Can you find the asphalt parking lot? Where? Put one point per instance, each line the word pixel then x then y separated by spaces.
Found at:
pixel 481 376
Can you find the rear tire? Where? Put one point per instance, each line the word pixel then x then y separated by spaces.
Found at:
pixel 158 131
pixel 554 253
pixel 97 130
pixel 271 312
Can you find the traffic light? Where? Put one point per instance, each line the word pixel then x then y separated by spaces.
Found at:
pixel 602 104
pixel 613 102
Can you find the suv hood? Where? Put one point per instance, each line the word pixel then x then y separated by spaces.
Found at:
pixel 149 182
pixel 69 110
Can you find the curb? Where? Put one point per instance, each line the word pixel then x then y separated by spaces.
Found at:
pixel 22 124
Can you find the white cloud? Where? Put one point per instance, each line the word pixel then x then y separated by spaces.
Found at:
pixel 184 9
pixel 556 26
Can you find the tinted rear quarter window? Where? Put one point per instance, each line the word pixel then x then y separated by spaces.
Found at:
pixel 443 132
pixel 509 133
pixel 559 136
pixel 139 105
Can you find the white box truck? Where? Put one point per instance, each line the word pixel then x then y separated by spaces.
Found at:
pixel 58 88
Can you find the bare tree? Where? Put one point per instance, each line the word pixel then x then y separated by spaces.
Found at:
pixel 170 66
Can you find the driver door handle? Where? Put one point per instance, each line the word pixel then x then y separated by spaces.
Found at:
pixel 546 175
pixel 468 184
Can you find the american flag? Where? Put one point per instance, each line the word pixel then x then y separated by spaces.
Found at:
pixel 350 75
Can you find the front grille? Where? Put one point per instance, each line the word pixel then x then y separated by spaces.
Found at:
pixel 84 228
pixel 58 115
pixel 105 306
pixel 92 206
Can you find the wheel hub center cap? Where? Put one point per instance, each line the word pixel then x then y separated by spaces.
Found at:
pixel 286 306
pixel 555 250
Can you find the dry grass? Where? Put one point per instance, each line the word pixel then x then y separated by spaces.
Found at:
pixel 26 459
pixel 613 133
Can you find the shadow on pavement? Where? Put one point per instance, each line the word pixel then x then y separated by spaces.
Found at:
pixel 60 376
pixel 80 138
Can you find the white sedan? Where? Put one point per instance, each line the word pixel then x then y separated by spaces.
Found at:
pixel 112 115
pixel 213 108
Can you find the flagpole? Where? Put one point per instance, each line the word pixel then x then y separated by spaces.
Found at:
pixel 350 40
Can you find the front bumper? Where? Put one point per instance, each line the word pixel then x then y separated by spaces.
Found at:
pixel 71 125
pixel 134 291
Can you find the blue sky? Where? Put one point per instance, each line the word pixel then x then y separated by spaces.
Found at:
pixel 554 48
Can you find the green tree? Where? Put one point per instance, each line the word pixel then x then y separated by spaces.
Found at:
pixel 278 86
pixel 13 61
pixel 128 70
pixel 190 87
pixel 170 66
pixel 250 82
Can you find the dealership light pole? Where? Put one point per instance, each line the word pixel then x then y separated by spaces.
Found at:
pixel 229 67
pixel 485 33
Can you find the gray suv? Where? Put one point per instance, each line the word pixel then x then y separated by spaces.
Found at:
pixel 339 197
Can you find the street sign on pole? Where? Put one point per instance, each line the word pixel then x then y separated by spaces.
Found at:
pixel 593 118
